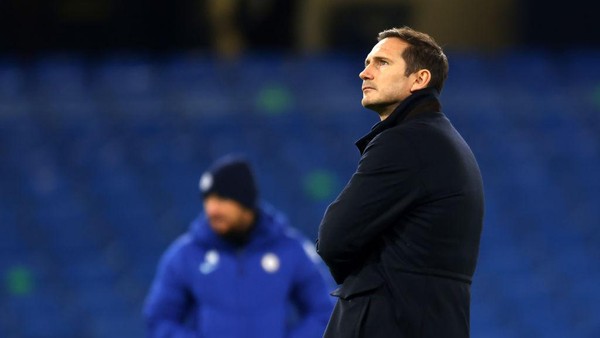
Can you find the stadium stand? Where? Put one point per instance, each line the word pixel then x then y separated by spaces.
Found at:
pixel 100 161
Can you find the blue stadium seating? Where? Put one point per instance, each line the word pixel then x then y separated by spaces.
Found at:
pixel 101 160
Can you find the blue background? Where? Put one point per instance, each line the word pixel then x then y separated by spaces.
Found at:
pixel 100 159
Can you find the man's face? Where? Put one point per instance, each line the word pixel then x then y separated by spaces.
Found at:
pixel 384 84
pixel 226 216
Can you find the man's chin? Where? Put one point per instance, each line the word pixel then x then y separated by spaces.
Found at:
pixel 366 103
pixel 220 227
pixel 371 105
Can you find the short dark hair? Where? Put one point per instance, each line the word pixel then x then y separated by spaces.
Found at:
pixel 423 53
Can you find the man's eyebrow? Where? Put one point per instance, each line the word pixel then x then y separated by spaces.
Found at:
pixel 376 58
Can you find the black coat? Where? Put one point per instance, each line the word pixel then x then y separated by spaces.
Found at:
pixel 402 238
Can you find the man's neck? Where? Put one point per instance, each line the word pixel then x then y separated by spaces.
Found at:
pixel 386 111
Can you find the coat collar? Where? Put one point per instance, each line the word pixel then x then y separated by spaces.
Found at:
pixel 418 102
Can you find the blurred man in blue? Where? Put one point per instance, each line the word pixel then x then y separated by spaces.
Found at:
pixel 240 270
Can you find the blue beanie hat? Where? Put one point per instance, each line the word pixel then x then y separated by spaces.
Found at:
pixel 230 177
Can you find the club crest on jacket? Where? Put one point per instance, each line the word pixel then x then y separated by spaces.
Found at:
pixel 270 262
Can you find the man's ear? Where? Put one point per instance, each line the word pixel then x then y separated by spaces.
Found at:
pixel 423 77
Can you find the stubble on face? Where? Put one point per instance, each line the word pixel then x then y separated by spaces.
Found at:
pixel 227 216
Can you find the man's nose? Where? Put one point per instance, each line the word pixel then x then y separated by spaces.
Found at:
pixel 211 206
pixel 365 74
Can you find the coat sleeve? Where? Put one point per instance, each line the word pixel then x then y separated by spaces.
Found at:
pixel 379 192
pixel 169 304
pixel 310 295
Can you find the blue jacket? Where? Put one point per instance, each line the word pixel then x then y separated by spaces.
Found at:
pixel 270 288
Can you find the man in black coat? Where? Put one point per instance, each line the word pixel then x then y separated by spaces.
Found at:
pixel 402 238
